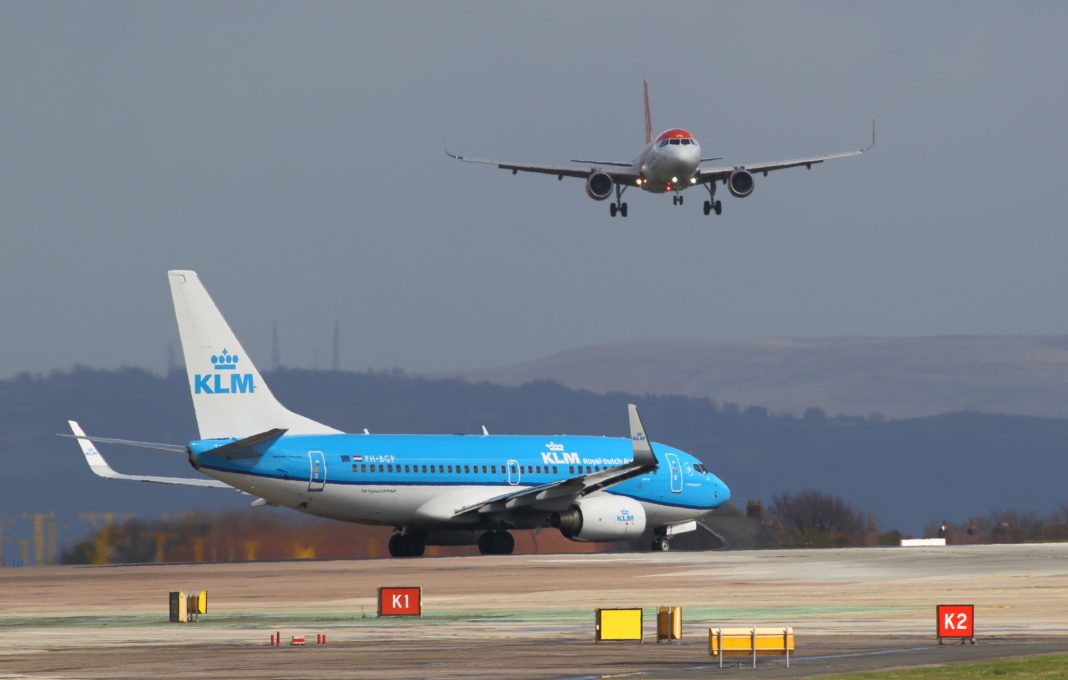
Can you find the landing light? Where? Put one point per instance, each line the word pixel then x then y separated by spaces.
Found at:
pixel 674 180
pixel 693 180
pixel 638 181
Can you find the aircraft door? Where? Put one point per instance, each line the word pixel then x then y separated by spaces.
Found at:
pixel 675 470
pixel 515 472
pixel 317 476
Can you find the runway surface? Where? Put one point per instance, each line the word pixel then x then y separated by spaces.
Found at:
pixel 531 616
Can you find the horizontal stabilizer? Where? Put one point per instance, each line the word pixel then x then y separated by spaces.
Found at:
pixel 82 438
pixel 100 467
pixel 249 447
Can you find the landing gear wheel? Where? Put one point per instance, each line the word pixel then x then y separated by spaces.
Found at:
pixel 718 207
pixel 681 197
pixel 661 545
pixel 612 209
pixel 496 543
pixel 623 209
pixel 708 207
pixel 406 545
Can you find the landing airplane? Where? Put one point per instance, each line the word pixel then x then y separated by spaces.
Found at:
pixel 434 489
pixel 669 163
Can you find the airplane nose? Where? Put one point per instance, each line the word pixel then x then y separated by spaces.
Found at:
pixel 721 493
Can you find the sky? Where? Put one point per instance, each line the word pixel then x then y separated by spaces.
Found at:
pixel 291 153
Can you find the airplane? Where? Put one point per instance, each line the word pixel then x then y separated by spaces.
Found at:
pixel 433 489
pixel 668 163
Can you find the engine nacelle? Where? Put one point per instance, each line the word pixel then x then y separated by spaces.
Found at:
pixel 599 185
pixel 741 183
pixel 601 518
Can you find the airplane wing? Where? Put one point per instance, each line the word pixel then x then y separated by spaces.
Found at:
pixel 100 467
pixel 564 491
pixel 713 174
pixel 618 171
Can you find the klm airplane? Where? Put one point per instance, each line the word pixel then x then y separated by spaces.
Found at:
pixel 433 489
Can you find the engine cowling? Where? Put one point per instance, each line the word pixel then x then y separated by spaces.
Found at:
pixel 741 183
pixel 599 185
pixel 602 518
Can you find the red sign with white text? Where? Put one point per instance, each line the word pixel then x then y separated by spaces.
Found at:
pixel 400 601
pixel 956 620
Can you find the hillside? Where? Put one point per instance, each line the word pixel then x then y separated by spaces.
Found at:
pixel 895 377
pixel 908 472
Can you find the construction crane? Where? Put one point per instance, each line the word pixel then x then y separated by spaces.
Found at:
pixel 39 535
pixel 103 521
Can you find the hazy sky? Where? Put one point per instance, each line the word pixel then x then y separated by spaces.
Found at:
pixel 292 154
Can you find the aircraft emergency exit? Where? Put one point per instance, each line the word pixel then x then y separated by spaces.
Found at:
pixel 668 163
pixel 433 489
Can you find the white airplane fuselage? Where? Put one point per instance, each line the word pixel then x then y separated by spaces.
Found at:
pixel 669 162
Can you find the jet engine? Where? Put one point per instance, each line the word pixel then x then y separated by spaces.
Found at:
pixel 741 183
pixel 599 185
pixel 601 518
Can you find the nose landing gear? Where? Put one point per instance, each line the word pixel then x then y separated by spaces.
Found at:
pixel 677 199
pixel 661 544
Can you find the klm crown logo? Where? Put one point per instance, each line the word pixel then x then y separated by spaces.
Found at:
pixel 224 361
pixel 213 383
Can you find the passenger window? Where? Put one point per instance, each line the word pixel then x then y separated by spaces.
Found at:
pixel 588 469
pixel 355 467
pixel 391 467
pixel 493 469
pixel 450 469
pixel 554 470
pixel 483 469
pixel 570 469
pixel 433 469
pixel 406 469
pixel 538 469
pixel 363 467
pixel 424 469
pixel 513 470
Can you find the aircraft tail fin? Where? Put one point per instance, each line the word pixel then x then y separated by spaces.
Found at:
pixel 648 117
pixel 230 397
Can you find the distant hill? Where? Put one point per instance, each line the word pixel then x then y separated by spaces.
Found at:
pixel 895 377
pixel 907 472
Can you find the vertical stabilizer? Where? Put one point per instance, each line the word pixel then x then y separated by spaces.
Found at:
pixel 230 397
pixel 648 117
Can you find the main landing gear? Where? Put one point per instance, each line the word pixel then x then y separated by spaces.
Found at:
pixel 677 199
pixel 712 203
pixel 613 208
pixel 407 545
pixel 499 542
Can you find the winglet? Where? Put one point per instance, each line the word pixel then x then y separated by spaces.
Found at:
pixel 643 452
pixel 448 153
pixel 872 136
pixel 97 464
pixel 648 117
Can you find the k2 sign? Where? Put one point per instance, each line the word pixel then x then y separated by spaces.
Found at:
pixel 955 621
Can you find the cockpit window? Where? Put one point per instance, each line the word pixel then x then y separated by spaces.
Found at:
pixel 676 141
pixel 662 143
